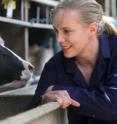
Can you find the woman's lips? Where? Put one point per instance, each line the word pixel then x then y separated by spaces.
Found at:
pixel 65 47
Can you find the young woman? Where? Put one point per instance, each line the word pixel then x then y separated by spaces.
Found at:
pixel 83 75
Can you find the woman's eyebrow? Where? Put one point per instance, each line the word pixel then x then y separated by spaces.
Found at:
pixel 64 28
pixel 67 28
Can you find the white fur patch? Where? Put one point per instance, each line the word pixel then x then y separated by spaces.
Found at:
pixel 1 41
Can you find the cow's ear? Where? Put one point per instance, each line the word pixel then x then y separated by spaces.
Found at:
pixel 2 41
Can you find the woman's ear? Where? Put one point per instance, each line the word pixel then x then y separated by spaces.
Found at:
pixel 93 28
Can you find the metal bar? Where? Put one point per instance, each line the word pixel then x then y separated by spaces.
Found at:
pixel 114 8
pixel 22 10
pixel 107 7
pixel 46 2
pixel 26 32
pixel 49 113
pixel 14 21
pixel 25 24
pixel 38 13
pixel 47 15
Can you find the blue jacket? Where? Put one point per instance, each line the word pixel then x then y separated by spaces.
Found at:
pixel 99 100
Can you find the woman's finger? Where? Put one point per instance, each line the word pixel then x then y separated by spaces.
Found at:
pixel 63 103
pixel 75 103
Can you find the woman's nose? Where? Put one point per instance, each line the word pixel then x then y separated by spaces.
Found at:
pixel 60 38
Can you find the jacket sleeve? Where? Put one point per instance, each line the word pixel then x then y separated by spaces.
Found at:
pixel 47 79
pixel 101 103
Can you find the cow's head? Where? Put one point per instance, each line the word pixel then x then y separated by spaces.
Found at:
pixel 13 67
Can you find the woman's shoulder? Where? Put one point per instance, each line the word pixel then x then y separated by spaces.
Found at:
pixel 113 38
pixel 113 41
pixel 108 43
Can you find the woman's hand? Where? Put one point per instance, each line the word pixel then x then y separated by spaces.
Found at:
pixel 61 96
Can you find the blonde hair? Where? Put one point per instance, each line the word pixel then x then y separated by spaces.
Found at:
pixel 90 11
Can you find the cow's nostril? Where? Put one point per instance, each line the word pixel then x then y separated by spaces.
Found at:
pixel 31 68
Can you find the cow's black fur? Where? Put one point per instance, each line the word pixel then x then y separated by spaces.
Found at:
pixel 12 67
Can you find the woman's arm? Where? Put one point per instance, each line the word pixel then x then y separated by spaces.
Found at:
pixel 100 103
pixel 48 78
pixel 61 96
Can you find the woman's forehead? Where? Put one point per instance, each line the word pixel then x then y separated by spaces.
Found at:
pixel 67 12
pixel 66 16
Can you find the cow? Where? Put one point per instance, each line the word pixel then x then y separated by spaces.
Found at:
pixel 14 70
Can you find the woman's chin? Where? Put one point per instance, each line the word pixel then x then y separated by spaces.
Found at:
pixel 68 55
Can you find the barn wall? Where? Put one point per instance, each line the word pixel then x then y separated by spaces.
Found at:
pixel 14 39
pixel 13 34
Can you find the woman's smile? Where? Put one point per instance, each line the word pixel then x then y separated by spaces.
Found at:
pixel 65 47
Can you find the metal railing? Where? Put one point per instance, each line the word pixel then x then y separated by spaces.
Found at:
pixel 13 106
pixel 49 113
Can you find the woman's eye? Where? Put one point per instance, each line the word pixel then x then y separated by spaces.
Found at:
pixel 67 31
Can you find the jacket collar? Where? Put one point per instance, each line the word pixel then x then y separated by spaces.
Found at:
pixel 69 65
pixel 104 51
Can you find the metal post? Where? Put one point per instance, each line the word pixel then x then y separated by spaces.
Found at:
pixel 114 8
pixel 26 5
pixel 107 7
pixel 22 10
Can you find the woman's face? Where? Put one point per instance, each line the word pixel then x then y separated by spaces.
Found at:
pixel 72 35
